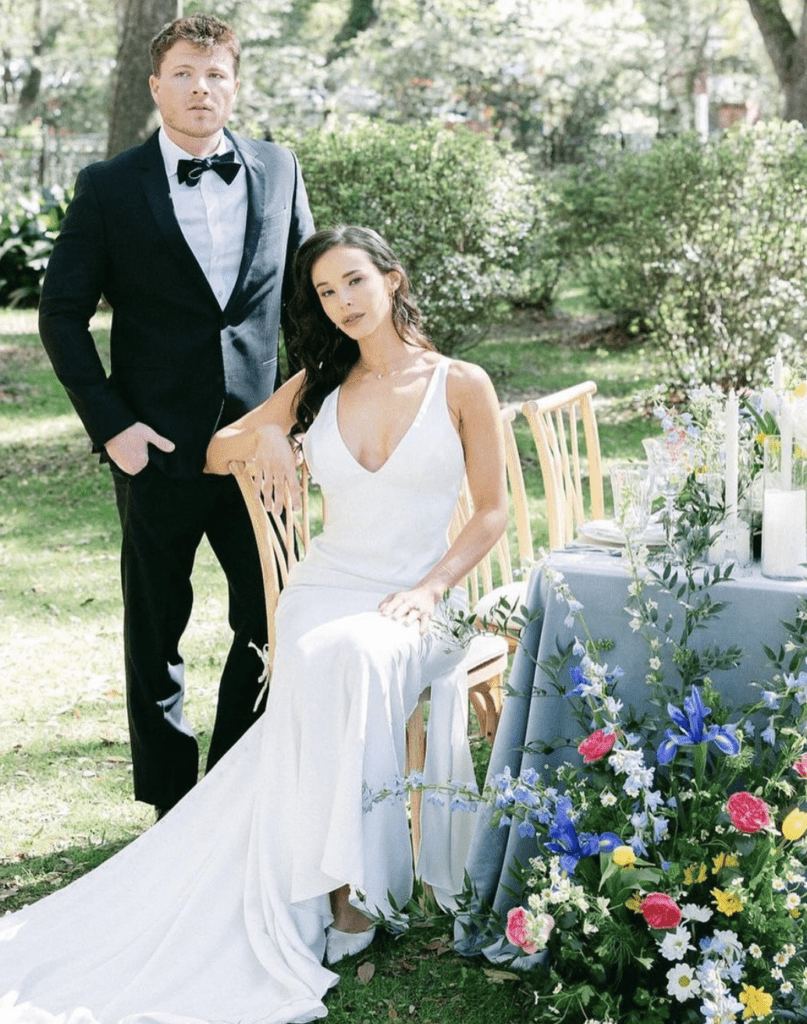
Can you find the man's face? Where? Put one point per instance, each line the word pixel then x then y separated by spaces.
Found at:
pixel 195 91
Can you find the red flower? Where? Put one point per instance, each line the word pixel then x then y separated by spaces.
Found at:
pixel 660 911
pixel 748 813
pixel 516 930
pixel 597 745
pixel 801 766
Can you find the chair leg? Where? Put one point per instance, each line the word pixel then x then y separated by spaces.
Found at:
pixel 486 701
pixel 415 760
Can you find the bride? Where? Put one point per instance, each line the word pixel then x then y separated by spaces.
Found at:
pixel 225 910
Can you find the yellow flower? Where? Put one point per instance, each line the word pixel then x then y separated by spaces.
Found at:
pixel 727 902
pixel 724 860
pixel 795 824
pixel 635 903
pixel 624 856
pixel 800 390
pixel 757 1002
pixel 692 878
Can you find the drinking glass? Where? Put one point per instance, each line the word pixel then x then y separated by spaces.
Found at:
pixel 630 486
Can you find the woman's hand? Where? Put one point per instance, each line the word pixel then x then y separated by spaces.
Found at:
pixel 273 467
pixel 412 607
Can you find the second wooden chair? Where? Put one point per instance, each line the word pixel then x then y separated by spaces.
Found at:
pixel 573 484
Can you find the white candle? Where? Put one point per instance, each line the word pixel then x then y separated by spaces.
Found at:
pixel 786 437
pixel 784 533
pixel 732 457
pixel 778 373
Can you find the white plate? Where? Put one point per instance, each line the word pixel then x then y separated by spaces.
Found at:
pixel 607 533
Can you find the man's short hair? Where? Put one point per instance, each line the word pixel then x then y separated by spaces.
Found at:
pixel 202 30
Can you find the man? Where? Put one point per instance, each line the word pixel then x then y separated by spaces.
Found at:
pixel 194 256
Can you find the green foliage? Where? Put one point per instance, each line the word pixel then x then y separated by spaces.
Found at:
pixel 29 224
pixel 704 247
pixel 456 207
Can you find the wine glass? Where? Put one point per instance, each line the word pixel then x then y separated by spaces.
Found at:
pixel 668 473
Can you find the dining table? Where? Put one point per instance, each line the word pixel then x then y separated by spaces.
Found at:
pixel 538 728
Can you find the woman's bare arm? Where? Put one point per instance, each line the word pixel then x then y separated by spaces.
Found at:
pixel 260 440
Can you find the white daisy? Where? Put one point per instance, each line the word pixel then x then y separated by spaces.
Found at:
pixel 676 944
pixel 681 983
pixel 692 912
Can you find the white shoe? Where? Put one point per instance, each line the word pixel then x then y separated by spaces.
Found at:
pixel 341 944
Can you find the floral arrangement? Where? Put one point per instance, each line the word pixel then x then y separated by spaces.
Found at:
pixel 669 876
pixel 669 881
pixel 694 424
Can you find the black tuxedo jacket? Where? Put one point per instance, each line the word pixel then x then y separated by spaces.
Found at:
pixel 178 362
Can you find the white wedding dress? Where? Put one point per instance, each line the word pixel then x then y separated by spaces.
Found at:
pixel 217 913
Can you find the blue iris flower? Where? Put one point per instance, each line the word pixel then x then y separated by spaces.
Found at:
pixel 691 723
pixel 571 846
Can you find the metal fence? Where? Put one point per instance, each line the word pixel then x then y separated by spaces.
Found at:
pixel 47 159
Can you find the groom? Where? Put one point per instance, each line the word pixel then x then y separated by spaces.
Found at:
pixel 190 239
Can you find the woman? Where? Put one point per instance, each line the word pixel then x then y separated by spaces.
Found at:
pixel 274 846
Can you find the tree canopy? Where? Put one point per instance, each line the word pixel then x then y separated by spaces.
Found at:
pixel 551 78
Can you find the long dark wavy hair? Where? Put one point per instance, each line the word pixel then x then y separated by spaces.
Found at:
pixel 316 344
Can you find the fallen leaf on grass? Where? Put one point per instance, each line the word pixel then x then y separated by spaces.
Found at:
pixel 439 946
pixel 365 972
pixel 499 977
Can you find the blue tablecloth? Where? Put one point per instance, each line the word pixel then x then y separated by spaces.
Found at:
pixel 535 714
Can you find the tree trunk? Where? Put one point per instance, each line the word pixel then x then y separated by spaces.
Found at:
pixel 361 15
pixel 788 53
pixel 133 115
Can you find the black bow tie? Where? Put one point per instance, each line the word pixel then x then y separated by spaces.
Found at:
pixel 190 171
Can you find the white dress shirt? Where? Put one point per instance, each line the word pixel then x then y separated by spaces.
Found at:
pixel 212 215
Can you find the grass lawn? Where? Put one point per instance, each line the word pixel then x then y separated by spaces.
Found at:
pixel 65 770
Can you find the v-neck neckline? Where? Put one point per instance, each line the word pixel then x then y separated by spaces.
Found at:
pixel 403 437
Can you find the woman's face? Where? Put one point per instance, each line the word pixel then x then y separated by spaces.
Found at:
pixel 355 295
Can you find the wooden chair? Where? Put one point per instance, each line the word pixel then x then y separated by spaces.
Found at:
pixel 283 540
pixel 510 583
pixel 555 421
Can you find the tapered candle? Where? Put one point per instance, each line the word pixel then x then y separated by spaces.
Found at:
pixel 732 457
pixel 778 373
pixel 786 434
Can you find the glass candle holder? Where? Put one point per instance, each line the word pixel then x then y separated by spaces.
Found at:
pixel 784 510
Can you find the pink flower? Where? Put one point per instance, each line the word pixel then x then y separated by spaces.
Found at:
pixel 597 745
pixel 660 911
pixel 516 930
pixel 801 766
pixel 748 813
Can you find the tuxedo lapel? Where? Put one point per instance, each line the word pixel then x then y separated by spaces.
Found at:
pixel 256 204
pixel 155 186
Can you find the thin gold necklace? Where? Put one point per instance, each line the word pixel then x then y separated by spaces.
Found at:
pixel 385 373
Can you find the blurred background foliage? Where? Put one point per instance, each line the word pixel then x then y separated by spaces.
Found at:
pixel 505 147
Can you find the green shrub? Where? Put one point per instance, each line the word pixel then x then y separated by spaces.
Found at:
pixel 456 208
pixel 29 225
pixel 542 255
pixel 704 247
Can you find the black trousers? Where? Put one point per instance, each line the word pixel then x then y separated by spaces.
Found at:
pixel 163 522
